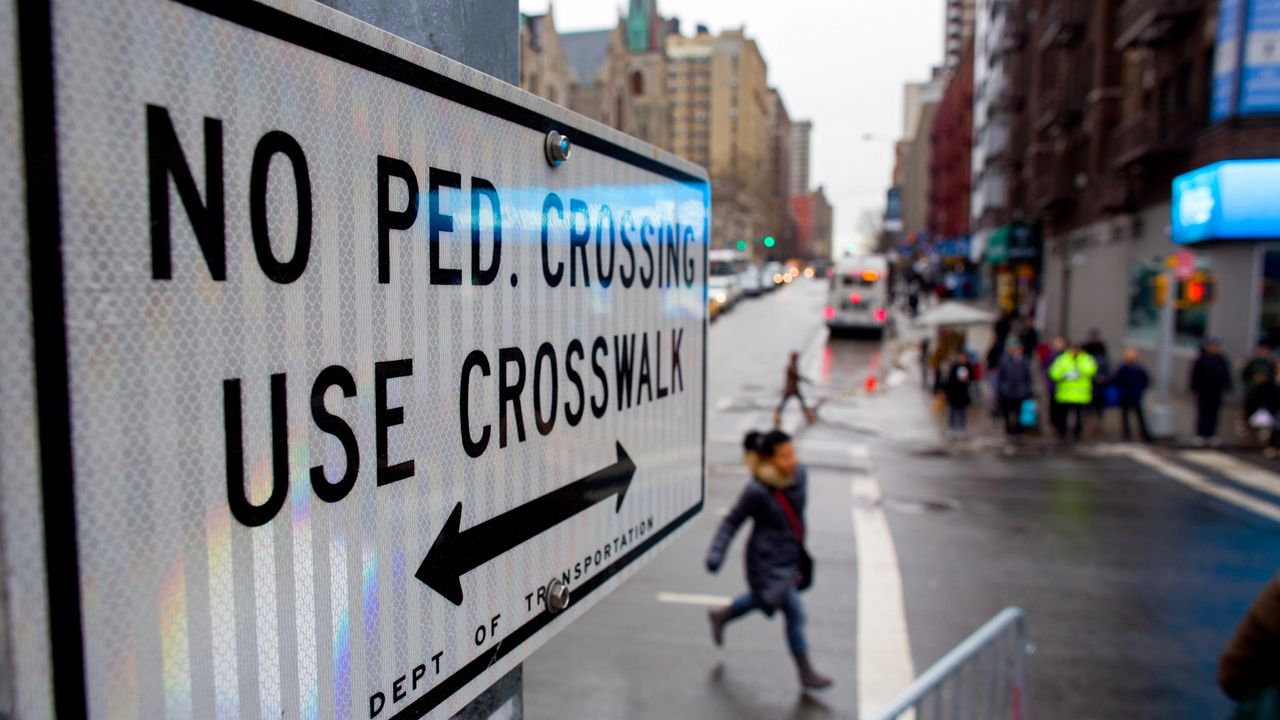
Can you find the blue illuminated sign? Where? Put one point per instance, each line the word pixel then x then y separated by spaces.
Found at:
pixel 1231 200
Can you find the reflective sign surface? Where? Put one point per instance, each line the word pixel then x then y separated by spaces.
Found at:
pixel 351 371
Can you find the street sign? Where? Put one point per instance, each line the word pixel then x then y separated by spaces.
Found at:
pixel 1183 263
pixel 328 366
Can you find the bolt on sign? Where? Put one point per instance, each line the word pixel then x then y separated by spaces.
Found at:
pixel 337 376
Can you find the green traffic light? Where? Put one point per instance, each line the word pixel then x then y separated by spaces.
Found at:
pixel 769 241
pixel 742 244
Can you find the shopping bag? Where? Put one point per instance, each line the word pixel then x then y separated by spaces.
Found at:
pixel 1028 414
pixel 1262 419
pixel 939 404
pixel 1111 396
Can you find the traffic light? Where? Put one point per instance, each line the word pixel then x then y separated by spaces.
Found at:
pixel 769 241
pixel 742 245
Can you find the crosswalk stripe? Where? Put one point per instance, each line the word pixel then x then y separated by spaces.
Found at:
pixel 1238 470
pixel 1195 480
pixel 694 599
pixel 884 652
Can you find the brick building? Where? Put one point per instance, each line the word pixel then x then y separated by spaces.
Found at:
pixel 1112 102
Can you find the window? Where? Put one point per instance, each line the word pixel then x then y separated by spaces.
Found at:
pixel 1269 317
pixel 1192 301
pixel 637 83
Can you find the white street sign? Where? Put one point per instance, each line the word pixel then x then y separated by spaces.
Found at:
pixel 317 371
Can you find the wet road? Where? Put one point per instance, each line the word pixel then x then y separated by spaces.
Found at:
pixel 1132 566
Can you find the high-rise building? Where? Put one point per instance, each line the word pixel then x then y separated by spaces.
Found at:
pixel 959 26
pixel 801 131
pixel 782 227
pixel 950 157
pixel 720 118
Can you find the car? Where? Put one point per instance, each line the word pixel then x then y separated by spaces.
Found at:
pixel 714 306
pixel 724 290
pixel 773 274
pixel 750 280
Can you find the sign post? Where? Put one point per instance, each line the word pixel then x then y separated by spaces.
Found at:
pixel 349 389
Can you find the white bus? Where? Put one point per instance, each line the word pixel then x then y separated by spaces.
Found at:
pixel 858 298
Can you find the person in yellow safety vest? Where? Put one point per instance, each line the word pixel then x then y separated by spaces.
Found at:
pixel 1072 374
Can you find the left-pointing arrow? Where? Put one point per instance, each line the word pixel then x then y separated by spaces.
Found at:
pixel 457 552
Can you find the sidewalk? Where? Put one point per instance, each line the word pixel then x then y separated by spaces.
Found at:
pixel 984 428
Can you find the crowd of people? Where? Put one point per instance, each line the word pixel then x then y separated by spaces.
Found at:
pixel 1081 385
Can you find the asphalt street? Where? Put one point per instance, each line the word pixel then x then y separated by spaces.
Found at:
pixel 1133 565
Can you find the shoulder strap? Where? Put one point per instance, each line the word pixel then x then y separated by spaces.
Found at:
pixel 790 513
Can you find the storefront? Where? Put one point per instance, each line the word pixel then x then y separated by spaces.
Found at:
pixel 1228 206
pixel 1013 255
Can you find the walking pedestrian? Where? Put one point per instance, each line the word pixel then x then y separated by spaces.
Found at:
pixel 774 501
pixel 1097 349
pixel 1013 387
pixel 1131 381
pixel 958 390
pixel 1210 381
pixel 1258 372
pixel 1072 373
pixel 1249 670
pixel 791 389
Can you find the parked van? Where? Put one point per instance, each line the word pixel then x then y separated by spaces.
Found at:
pixel 858 298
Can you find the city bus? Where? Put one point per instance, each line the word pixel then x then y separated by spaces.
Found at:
pixel 858 298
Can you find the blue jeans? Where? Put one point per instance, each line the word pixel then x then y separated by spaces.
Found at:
pixel 792 609
pixel 957 418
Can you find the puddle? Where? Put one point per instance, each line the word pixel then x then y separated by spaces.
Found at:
pixel 920 505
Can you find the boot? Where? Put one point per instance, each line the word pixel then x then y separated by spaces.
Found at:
pixel 718 618
pixel 811 679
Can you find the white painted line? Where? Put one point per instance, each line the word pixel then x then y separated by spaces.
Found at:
pixel 884 651
pixel 694 599
pixel 1194 480
pixel 1242 472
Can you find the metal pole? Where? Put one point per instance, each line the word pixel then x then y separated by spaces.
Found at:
pixel 1162 413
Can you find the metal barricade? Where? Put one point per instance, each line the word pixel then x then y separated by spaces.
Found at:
pixel 984 677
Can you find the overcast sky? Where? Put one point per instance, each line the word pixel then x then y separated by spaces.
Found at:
pixel 840 63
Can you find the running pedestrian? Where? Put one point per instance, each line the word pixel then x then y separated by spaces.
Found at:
pixel 791 389
pixel 777 563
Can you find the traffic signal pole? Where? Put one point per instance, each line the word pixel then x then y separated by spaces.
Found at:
pixel 1162 413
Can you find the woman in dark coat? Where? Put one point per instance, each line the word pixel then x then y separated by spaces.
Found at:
pixel 774 501
pixel 957 389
